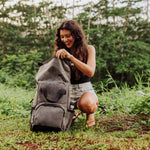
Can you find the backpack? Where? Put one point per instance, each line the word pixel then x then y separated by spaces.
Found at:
pixel 51 108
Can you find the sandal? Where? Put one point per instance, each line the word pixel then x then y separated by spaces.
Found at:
pixel 90 124
pixel 90 120
pixel 76 114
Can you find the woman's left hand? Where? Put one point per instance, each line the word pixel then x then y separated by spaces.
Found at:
pixel 62 53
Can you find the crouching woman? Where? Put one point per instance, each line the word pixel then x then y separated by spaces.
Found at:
pixel 70 43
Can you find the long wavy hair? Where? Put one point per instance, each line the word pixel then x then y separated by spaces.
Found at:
pixel 79 49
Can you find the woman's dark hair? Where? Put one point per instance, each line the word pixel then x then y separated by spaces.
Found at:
pixel 79 49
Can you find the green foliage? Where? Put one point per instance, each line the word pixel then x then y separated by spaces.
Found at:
pixel 142 107
pixel 14 101
pixel 116 99
pixel 119 35
pixel 123 58
pixel 20 70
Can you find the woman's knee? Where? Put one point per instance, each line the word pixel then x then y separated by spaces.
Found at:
pixel 88 103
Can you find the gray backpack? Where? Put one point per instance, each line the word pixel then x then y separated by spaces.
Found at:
pixel 51 108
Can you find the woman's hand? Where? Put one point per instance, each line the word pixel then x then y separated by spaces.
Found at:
pixel 62 53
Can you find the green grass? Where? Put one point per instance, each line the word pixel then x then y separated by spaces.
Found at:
pixel 15 101
pixel 15 134
pixel 116 127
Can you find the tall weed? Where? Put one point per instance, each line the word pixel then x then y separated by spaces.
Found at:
pixel 124 99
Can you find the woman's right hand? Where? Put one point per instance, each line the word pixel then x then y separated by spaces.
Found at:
pixel 62 53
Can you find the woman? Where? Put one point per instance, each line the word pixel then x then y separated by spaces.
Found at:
pixel 71 44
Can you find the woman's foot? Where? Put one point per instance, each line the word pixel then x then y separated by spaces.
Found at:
pixel 76 114
pixel 90 120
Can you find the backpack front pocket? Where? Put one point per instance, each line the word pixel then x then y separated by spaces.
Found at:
pixel 52 91
pixel 48 115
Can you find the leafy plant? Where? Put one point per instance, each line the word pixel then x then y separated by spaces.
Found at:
pixel 15 101
pixel 142 108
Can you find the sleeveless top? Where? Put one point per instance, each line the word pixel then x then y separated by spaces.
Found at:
pixel 82 79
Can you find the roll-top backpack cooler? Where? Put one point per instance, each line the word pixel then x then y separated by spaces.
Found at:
pixel 51 108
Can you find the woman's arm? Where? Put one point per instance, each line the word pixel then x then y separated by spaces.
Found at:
pixel 87 69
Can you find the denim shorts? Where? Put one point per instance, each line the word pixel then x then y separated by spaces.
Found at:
pixel 76 91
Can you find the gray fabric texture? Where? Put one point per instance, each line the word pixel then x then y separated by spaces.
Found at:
pixel 51 105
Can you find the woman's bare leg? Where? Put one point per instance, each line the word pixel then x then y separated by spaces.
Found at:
pixel 88 104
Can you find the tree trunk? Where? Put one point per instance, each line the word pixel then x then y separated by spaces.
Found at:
pixel 89 21
pixel 147 11
pixel 113 15
pixel 73 9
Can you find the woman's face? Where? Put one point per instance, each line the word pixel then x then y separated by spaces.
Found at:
pixel 67 38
